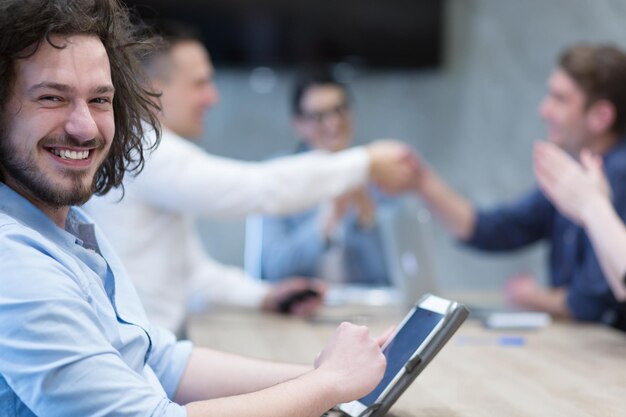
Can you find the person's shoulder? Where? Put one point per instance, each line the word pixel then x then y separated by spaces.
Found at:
pixel 16 237
pixel 615 161
pixel 19 244
pixel 31 263
pixel 10 226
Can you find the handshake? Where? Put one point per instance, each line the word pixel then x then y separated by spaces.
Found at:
pixel 394 166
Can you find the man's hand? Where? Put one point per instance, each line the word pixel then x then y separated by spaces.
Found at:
pixel 301 307
pixel 392 165
pixel 365 207
pixel 353 361
pixel 525 292
pixel 570 186
pixel 332 213
pixel 522 291
pixel 423 174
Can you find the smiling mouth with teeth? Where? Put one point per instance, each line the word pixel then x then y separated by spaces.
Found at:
pixel 70 155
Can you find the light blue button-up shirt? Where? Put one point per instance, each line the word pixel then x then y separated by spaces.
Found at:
pixel 74 339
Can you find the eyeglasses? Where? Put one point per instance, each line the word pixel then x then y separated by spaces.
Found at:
pixel 340 110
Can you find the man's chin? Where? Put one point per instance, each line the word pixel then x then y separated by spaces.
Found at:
pixel 552 138
pixel 558 141
pixel 570 148
pixel 193 133
pixel 63 200
pixel 63 195
pixel 338 145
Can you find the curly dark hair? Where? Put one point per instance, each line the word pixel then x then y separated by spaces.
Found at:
pixel 26 24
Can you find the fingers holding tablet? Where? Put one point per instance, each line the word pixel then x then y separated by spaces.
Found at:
pixel 353 361
pixel 412 345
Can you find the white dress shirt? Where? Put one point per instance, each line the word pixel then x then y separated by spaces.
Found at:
pixel 153 226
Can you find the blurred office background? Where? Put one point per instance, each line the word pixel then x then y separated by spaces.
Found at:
pixel 472 115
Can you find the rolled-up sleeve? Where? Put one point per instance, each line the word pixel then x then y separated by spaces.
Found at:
pixel 56 355
pixel 168 358
pixel 514 225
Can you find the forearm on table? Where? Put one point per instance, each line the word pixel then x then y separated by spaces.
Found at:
pixel 309 395
pixel 211 374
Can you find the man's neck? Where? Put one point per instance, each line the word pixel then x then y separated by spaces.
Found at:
pixel 57 215
pixel 602 144
pixel 165 127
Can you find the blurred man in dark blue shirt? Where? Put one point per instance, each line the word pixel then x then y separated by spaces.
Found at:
pixel 585 108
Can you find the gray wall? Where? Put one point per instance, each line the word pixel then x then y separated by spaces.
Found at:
pixel 474 120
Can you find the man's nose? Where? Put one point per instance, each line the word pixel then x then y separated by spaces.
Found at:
pixel 211 96
pixel 81 123
pixel 544 108
pixel 332 121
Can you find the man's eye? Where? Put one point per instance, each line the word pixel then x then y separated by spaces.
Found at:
pixel 101 100
pixel 50 98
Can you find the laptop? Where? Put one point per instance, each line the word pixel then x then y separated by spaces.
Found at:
pixel 407 237
pixel 408 240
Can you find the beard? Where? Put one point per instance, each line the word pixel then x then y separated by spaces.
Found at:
pixel 31 180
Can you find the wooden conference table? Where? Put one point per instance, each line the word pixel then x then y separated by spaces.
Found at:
pixel 562 370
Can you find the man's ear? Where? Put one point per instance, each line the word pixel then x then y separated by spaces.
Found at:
pixel 601 116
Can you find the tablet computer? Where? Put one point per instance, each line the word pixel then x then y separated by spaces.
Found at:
pixel 418 338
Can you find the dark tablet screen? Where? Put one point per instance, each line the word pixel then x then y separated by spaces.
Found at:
pixel 415 330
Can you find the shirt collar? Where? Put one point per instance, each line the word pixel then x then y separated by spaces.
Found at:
pixel 26 213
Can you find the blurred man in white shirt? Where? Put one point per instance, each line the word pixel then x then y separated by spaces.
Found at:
pixel 180 182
